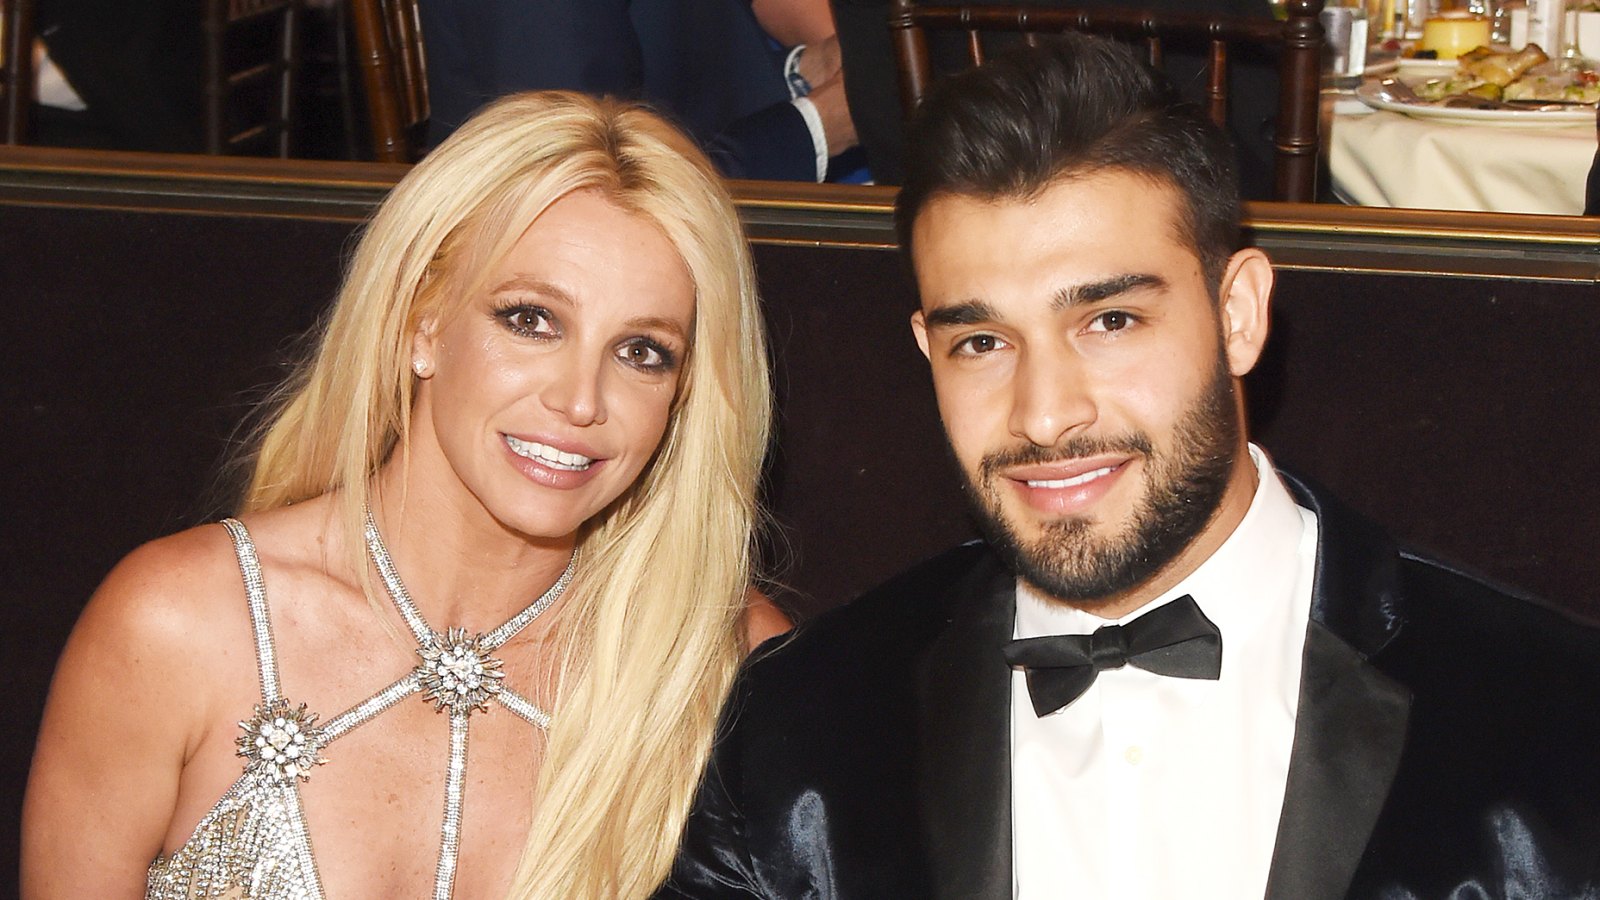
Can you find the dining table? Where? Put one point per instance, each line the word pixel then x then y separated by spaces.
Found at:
pixel 1425 156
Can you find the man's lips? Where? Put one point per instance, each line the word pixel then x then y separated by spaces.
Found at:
pixel 1066 473
pixel 1068 487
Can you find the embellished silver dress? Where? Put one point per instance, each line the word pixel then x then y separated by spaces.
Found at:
pixel 253 844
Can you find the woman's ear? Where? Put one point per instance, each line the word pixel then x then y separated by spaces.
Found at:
pixel 1246 299
pixel 423 347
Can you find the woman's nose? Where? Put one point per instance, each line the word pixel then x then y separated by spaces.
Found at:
pixel 577 390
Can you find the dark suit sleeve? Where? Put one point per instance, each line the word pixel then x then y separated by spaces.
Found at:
pixel 482 49
pixel 872 84
pixel 772 143
pixel 714 856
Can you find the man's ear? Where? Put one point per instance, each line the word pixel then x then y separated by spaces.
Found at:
pixel 919 327
pixel 1246 293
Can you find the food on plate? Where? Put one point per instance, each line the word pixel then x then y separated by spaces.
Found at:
pixel 1565 87
pixel 1522 76
pixel 1484 64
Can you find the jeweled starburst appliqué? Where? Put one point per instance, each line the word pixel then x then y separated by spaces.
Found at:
pixel 281 741
pixel 457 671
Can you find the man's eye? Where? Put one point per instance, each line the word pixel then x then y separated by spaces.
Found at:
pixel 529 321
pixel 1112 320
pixel 978 344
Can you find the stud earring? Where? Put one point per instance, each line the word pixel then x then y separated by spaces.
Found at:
pixel 421 367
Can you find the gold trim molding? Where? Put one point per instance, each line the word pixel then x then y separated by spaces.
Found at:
pixel 1297 235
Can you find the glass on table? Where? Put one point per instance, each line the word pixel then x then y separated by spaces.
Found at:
pixel 1572 57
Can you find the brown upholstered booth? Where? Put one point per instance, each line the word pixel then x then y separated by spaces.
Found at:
pixel 1432 368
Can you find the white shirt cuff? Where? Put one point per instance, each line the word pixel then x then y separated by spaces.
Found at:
pixel 819 138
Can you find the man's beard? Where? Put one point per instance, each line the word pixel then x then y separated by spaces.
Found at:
pixel 1183 488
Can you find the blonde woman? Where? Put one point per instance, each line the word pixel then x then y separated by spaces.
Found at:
pixel 494 557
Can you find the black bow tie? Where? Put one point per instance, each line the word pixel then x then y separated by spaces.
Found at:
pixel 1175 639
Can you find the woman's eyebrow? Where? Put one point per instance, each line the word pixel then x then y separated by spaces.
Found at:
pixel 533 285
pixel 659 323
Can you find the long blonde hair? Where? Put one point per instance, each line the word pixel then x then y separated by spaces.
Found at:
pixel 650 626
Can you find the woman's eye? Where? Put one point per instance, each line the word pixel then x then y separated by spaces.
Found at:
pixel 647 355
pixel 528 320
pixel 978 344
pixel 1112 320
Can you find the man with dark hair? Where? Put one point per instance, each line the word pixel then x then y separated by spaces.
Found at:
pixel 1170 670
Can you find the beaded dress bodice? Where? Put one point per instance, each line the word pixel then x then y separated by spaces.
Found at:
pixel 254 844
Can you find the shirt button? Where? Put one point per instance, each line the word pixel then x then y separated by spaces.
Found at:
pixel 1134 756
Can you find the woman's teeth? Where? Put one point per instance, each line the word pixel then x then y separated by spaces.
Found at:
pixel 547 455
pixel 1073 481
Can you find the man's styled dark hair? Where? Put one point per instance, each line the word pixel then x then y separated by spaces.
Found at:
pixel 1073 105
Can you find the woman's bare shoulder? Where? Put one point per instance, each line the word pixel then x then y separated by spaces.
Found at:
pixel 135 691
pixel 762 619
pixel 168 589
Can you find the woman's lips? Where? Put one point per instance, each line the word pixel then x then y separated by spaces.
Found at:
pixel 546 463
pixel 548 454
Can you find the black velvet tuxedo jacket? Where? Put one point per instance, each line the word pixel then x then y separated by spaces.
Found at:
pixel 1447 742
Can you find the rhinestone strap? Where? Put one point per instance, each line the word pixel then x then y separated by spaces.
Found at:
pixel 444 877
pixel 419 626
pixel 368 709
pixel 391 582
pixel 456 673
pixel 524 708
pixel 256 590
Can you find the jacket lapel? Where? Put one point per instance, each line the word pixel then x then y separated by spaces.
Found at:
pixel 964 742
pixel 1348 734
pixel 1350 726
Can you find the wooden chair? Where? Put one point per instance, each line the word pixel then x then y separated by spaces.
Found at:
pixel 388 40
pixel 252 51
pixel 16 73
pixel 1298 41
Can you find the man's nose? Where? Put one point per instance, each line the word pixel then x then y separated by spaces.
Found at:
pixel 1051 397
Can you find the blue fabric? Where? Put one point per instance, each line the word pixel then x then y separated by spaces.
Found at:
pixel 706 64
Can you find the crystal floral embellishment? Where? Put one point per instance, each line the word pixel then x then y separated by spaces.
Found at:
pixel 457 671
pixel 281 741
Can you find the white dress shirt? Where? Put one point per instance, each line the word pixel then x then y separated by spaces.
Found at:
pixel 1149 786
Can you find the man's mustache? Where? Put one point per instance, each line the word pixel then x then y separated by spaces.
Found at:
pixel 1073 448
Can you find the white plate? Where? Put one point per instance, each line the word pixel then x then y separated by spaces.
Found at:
pixel 1372 94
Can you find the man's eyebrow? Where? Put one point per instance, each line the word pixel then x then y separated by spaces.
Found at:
pixel 970 312
pixel 1096 291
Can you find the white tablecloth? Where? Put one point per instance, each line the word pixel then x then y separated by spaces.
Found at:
pixel 1390 159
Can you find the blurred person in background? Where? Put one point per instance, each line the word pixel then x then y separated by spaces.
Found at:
pixel 757 84
pixel 118 75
